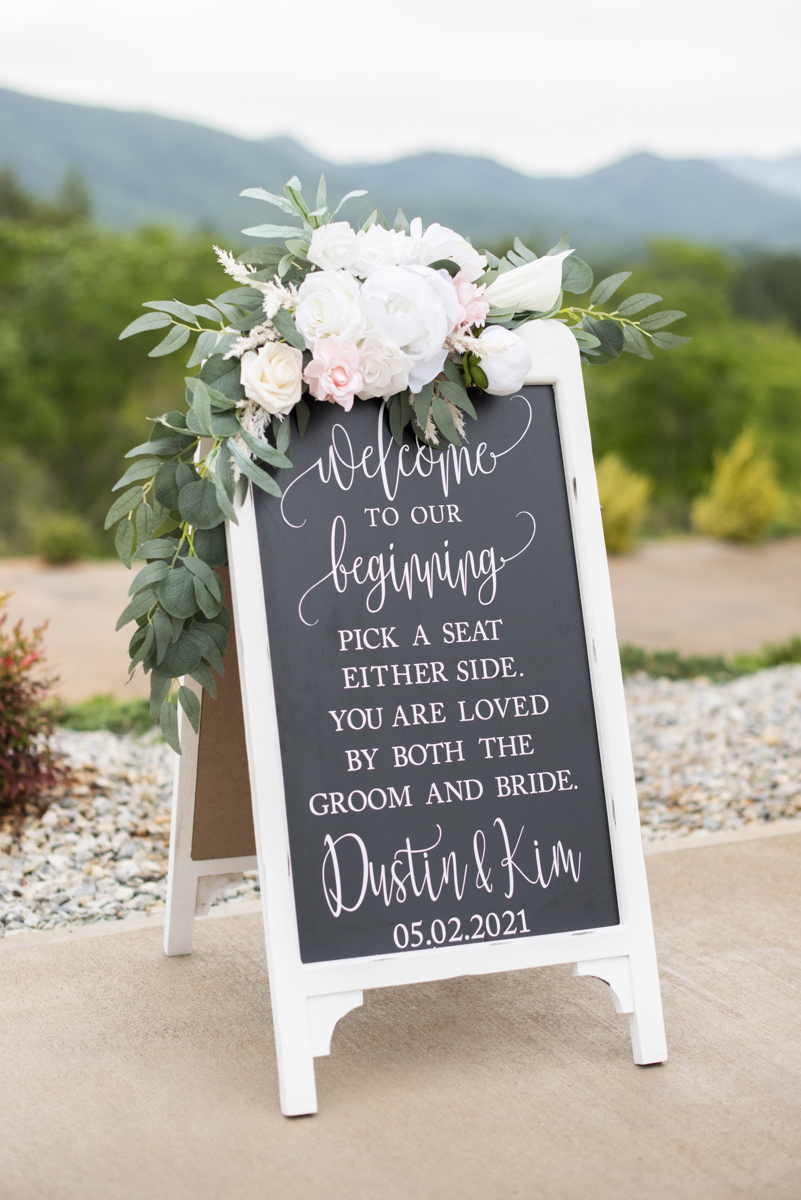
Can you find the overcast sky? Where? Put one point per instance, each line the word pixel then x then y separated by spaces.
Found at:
pixel 544 86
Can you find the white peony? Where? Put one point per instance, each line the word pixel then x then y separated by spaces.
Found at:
pixel 440 242
pixel 416 308
pixel 272 376
pixel 378 247
pixel 506 360
pixel 328 303
pixel 385 367
pixel 333 246
pixel 534 287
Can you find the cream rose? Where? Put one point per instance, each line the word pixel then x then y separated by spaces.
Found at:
pixel 505 360
pixel 328 305
pixel 333 246
pixel 272 377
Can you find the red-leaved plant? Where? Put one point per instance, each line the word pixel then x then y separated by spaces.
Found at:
pixel 28 768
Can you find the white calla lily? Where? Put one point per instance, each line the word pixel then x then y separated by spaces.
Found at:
pixel 534 287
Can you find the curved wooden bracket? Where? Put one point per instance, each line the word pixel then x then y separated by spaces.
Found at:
pixel 324 1012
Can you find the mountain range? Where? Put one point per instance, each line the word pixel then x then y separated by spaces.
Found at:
pixel 146 168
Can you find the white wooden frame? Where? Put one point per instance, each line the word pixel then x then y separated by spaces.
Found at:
pixel 309 999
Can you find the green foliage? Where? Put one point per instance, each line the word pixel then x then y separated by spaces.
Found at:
pixel 769 289
pixel 669 664
pixel 744 498
pixel 72 203
pixel 104 712
pixel 27 765
pixel 624 496
pixel 736 372
pixel 63 538
pixel 72 397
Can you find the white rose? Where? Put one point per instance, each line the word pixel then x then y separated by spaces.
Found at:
pixel 416 308
pixel 440 242
pixel 377 247
pixel 328 304
pixel 506 360
pixel 534 287
pixel 333 246
pixel 384 366
pixel 272 376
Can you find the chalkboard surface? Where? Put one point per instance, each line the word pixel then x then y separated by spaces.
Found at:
pixel 438 739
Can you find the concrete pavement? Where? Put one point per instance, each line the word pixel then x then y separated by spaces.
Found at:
pixel 128 1076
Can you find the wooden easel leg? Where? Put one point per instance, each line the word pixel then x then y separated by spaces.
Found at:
pixel 634 983
pixel 182 879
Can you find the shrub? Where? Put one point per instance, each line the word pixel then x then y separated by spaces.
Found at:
pixel 744 498
pixel 623 496
pixel 104 712
pixel 63 539
pixel 27 765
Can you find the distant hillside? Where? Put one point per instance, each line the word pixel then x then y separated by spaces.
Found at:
pixel 777 174
pixel 144 168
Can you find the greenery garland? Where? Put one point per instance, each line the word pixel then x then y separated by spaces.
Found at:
pixel 176 496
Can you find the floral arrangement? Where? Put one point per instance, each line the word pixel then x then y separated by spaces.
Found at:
pixel 414 317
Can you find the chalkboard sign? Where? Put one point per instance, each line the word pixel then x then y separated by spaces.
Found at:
pixel 438 740
pixel 436 730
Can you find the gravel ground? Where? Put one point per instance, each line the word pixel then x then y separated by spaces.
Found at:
pixel 707 757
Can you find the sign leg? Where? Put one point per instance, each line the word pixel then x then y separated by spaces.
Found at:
pixel 182 879
pixel 634 983
pixel 293 1047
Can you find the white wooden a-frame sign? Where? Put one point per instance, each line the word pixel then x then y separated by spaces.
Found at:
pixel 308 1000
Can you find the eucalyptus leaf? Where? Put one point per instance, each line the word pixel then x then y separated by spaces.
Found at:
pixel 174 307
pixel 249 468
pixel 205 573
pixel 301 411
pixel 260 194
pixel 321 193
pixel 144 469
pixel 124 541
pixel 444 420
pixel 607 287
pixel 225 424
pixel 145 646
pixel 202 675
pixel 223 376
pixel 524 252
pixel 197 504
pixel 177 337
pixel 635 304
pixel 185 473
pixel 177 592
pixel 660 319
pixel 164 486
pixel 168 720
pixel 160 446
pixel 446 264
pixel 152 320
pixel 635 343
pixel 162 627
pixel 210 545
pixel 562 245
pixel 264 450
pixel 576 275
pixel 159 690
pixel 122 505
pixel 395 419
pixel 201 407
pixel 148 577
pixel 282 436
pixel 284 322
pixel 207 648
pixel 207 603
pixel 273 231
pixel 401 224
pixel 667 341
pixel 349 196
pixel 145 524
pixel 141 603
pixel 160 548
pixel 191 706
pixel 181 657
pixel 206 311
pixel 458 396
pixel 422 404
pixel 260 255
pixel 204 346
pixel 218 473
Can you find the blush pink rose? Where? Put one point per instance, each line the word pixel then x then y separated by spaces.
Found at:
pixel 473 306
pixel 335 372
